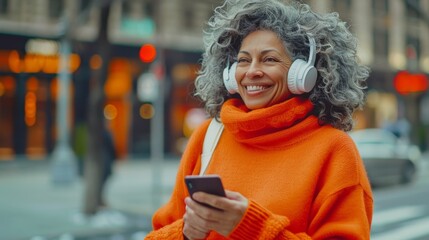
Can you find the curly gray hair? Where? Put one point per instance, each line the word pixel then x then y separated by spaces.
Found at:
pixel 340 85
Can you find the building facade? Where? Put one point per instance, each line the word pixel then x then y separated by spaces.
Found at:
pixel 393 37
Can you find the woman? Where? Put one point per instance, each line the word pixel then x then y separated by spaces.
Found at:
pixel 289 168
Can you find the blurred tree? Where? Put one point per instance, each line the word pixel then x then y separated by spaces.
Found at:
pixel 94 164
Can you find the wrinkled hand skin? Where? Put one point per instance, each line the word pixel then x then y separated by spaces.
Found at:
pixel 199 220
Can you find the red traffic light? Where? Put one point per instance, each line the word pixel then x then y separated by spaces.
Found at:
pixel 147 53
pixel 405 82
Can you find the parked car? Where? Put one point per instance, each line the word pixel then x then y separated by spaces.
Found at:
pixel 387 158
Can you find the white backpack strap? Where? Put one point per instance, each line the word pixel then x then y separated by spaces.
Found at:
pixel 210 141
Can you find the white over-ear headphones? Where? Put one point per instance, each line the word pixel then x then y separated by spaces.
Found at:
pixel 229 78
pixel 302 75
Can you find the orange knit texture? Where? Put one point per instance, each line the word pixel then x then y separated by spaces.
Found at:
pixel 303 180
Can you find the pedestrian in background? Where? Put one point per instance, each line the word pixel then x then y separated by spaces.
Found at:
pixel 284 81
pixel 108 157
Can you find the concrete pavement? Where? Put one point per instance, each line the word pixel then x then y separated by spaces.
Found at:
pixel 33 208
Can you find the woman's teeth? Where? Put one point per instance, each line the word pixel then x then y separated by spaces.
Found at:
pixel 255 88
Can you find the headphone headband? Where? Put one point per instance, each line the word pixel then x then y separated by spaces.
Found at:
pixel 312 54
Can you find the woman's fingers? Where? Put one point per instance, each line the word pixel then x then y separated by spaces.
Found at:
pixel 192 218
pixel 206 216
pixel 192 228
pixel 224 219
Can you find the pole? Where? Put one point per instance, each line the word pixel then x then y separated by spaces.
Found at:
pixel 157 144
pixel 157 122
pixel 64 162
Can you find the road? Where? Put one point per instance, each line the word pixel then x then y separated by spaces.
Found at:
pixel 402 212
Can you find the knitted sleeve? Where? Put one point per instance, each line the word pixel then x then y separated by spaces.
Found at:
pixel 260 223
pixel 171 231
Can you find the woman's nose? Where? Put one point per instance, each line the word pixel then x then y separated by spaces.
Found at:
pixel 254 70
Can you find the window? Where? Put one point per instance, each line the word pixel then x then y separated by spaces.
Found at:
pixel 380 28
pixel 413 17
pixel 55 9
pixel 85 5
pixel 3 7
pixel 188 18
pixel 380 43
pixel 343 8
pixel 413 42
pixel 138 9
pixel 413 51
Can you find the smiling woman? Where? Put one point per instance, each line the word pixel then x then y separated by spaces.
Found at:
pixel 284 82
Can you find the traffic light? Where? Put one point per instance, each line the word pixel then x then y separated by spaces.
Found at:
pixel 147 53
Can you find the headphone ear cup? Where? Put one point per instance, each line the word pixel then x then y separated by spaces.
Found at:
pixel 301 77
pixel 309 78
pixel 225 75
pixel 293 78
pixel 229 78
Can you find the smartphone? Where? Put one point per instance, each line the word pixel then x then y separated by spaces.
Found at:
pixel 211 184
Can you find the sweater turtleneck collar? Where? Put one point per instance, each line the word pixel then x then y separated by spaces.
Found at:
pixel 277 124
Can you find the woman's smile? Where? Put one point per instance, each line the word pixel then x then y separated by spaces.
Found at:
pixel 255 89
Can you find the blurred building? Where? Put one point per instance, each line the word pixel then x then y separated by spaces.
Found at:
pixel 30 33
pixel 394 41
pixel 393 36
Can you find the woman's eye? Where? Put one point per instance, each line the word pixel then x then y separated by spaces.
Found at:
pixel 242 60
pixel 270 59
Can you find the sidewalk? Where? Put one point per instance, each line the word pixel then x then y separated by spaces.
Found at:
pixel 32 208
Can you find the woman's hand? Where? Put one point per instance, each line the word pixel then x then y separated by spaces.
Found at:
pixel 199 220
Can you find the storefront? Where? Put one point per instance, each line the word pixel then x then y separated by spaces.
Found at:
pixel 28 89
pixel 28 93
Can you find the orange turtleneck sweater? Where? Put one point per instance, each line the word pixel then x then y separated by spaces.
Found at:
pixel 303 180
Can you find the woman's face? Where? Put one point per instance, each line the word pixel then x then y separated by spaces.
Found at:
pixel 262 70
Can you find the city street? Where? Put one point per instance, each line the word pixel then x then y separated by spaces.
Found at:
pixel 32 208
pixel 402 212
